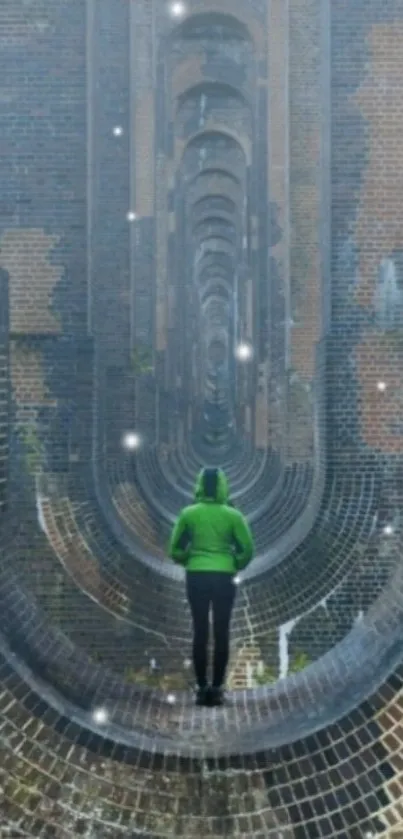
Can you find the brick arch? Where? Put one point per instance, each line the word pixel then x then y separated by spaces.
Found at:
pixel 212 284
pixel 214 219
pixel 210 260
pixel 234 14
pixel 229 202
pixel 216 185
pixel 220 220
pixel 217 244
pixel 219 235
pixel 217 170
pixel 190 72
pixel 220 267
pixel 209 86
pixel 221 130
pixel 220 275
pixel 218 129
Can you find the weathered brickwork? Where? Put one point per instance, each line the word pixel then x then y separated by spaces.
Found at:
pixel 4 418
pixel 278 288
pixel 26 256
pixel 306 132
pixel 42 167
pixel 389 720
pixel 378 233
pixel 144 151
pixel 4 389
pixel 164 177
pixel 380 392
pixel 29 389
pixel 186 74
pixel 378 226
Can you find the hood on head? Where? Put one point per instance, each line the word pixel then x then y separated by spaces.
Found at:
pixel 209 479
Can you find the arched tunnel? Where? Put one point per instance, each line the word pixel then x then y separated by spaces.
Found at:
pixel 201 239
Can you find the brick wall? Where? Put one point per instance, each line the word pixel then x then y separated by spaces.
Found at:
pixel 4 388
pixel 378 232
pixel 366 225
pixel 43 185
pixel 44 236
pixel 4 417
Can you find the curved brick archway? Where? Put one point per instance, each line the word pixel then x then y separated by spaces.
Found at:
pixel 98 247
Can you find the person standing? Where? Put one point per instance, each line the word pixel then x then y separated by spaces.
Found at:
pixel 212 540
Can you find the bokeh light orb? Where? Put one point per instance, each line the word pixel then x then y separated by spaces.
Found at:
pixel 388 530
pixel 177 9
pixel 131 441
pixel 244 351
pixel 100 716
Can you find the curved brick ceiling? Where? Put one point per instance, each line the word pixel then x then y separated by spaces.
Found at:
pixel 203 210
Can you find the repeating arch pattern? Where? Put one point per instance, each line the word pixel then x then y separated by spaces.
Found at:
pixel 203 211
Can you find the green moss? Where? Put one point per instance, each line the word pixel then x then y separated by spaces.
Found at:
pixel 155 679
pixel 268 676
pixel 33 448
pixel 141 360
pixel 299 661
pixel 21 794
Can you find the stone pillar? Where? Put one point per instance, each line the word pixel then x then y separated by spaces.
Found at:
pixel 4 388
pixel 309 216
pixel 143 157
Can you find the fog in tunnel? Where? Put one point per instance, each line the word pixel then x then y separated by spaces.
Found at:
pixel 201 263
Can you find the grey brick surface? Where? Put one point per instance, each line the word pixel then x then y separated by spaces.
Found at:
pixel 168 188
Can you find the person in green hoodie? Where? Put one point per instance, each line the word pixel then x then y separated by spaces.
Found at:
pixel 213 541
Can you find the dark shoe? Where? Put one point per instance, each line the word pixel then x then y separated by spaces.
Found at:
pixel 202 696
pixel 216 697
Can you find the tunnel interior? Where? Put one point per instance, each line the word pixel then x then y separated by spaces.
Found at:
pixel 201 263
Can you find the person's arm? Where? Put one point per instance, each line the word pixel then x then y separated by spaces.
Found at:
pixel 243 541
pixel 179 543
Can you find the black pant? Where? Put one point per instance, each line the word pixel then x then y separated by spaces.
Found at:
pixel 218 589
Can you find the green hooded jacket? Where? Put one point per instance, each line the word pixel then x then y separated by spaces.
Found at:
pixel 210 535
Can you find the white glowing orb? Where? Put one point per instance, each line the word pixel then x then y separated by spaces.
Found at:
pixel 118 131
pixel 131 216
pixel 177 9
pixel 381 386
pixel 171 698
pixel 244 352
pixel 131 441
pixel 388 530
pixel 237 579
pixel 100 716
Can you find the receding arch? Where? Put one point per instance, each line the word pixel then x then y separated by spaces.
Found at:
pixel 217 272
pixel 224 280
pixel 218 132
pixel 216 170
pixel 215 286
pixel 217 216
pixel 211 88
pixel 202 244
pixel 213 240
pixel 213 261
pixel 218 186
pixel 215 220
pixel 217 236
pixel 213 201
pixel 219 16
